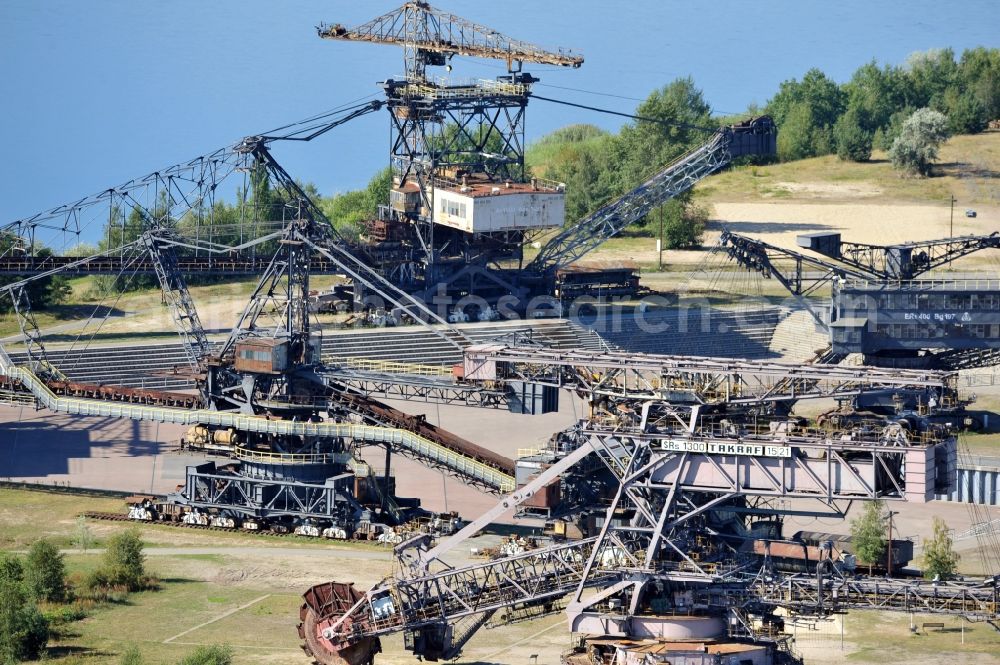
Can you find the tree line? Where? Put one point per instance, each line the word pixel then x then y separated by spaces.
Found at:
pixel 907 110
pixel 816 116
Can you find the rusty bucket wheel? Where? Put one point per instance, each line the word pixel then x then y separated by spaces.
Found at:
pixel 324 604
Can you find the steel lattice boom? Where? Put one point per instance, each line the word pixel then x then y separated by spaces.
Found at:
pixel 430 35
pixel 753 137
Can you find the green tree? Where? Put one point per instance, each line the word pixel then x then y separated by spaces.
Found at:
pixel 930 74
pixel 806 110
pixel 823 97
pixel 891 132
pixel 124 562
pixel 45 572
pixel 678 115
pixel 917 145
pixel 868 533
pixel 577 156
pixel 585 179
pixel 42 292
pixel 795 135
pixel 83 537
pixel 11 568
pixel 347 212
pixel 854 142
pixel 876 93
pixel 940 558
pixel 23 629
pixel 211 654
pixel 683 222
pixel 979 73
pixel 965 113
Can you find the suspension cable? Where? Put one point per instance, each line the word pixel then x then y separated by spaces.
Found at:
pixel 682 125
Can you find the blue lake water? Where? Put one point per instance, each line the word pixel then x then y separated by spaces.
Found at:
pixel 97 92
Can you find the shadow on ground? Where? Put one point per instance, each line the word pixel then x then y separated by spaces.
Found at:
pixel 765 227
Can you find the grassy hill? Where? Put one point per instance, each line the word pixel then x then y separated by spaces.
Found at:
pixel 968 169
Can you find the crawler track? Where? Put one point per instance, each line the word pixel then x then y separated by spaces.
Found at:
pixel 121 517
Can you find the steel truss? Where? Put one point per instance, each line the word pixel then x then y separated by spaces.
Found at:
pixel 759 256
pixel 429 35
pixel 975 600
pixel 180 197
pixel 34 346
pixel 442 129
pixel 909 260
pixel 457 126
pixel 415 388
pixel 827 467
pixel 855 260
pixel 526 579
pixel 690 379
pixel 207 489
pixel 175 291
pixel 209 264
pixel 658 532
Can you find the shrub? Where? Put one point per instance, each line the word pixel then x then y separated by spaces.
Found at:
pixel 23 630
pixel 131 656
pixel 917 144
pixel 124 563
pixel 65 614
pixel 11 568
pixel 45 572
pixel 854 143
pixel 214 654
pixel 83 537
pixel 684 228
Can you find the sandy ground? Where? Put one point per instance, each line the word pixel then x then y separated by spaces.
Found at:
pixel 778 223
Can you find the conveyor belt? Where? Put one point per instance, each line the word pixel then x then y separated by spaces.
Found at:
pixel 379 413
pixel 452 458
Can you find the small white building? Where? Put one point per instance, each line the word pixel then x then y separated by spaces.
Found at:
pixel 499 207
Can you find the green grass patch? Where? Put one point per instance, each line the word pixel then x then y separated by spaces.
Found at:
pixel 28 515
pixel 883 637
pixel 977 443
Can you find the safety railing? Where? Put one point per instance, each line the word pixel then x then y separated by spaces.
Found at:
pixel 464 89
pixel 266 457
pixel 970 284
pixel 394 367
